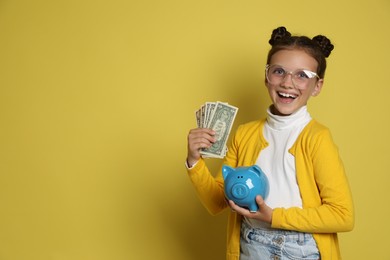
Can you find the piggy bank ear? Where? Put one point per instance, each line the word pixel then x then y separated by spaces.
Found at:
pixel 257 169
pixel 226 170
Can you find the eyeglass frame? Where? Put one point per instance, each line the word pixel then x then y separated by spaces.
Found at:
pixel 309 73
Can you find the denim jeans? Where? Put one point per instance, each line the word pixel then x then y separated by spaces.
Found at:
pixel 267 244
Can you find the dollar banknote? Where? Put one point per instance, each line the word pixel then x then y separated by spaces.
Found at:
pixel 218 116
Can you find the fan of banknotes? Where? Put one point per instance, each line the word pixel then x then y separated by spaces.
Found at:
pixel 218 116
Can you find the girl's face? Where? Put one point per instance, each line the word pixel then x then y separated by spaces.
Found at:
pixel 286 96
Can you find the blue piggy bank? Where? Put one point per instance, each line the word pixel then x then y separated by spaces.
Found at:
pixel 243 184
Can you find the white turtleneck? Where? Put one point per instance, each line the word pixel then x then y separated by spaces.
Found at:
pixel 277 163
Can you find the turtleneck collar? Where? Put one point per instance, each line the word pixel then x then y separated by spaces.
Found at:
pixel 299 117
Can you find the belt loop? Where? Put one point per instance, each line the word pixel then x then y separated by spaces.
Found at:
pixel 301 237
pixel 246 229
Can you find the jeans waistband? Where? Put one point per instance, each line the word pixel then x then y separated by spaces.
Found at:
pixel 289 235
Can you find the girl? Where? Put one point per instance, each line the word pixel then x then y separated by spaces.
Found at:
pixel 310 199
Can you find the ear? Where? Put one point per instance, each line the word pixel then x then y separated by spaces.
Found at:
pixel 318 87
pixel 226 170
pixel 266 83
pixel 257 169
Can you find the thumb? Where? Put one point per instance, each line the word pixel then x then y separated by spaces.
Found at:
pixel 260 201
pixel 264 210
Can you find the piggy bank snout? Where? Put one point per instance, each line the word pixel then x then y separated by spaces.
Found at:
pixel 240 191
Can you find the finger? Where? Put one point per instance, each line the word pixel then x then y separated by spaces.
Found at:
pixel 238 209
pixel 198 143
pixel 232 205
pixel 200 139
pixel 205 130
pixel 202 133
pixel 259 200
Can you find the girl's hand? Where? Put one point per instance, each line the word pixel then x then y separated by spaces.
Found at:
pixel 263 214
pixel 198 138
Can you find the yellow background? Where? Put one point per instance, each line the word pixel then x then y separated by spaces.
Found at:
pixel 97 98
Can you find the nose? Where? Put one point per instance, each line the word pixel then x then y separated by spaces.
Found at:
pixel 287 80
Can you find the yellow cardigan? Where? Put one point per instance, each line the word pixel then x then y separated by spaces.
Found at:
pixel 326 197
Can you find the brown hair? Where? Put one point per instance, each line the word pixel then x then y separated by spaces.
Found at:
pixel 319 47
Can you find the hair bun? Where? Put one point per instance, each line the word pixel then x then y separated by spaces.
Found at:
pixel 324 43
pixel 277 34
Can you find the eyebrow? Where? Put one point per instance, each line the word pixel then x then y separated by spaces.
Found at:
pixel 290 69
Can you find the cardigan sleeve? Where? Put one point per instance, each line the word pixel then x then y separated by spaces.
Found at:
pixel 326 196
pixel 210 188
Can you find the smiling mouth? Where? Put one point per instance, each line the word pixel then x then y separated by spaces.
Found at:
pixel 287 95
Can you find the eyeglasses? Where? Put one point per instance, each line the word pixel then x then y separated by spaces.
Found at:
pixel 300 78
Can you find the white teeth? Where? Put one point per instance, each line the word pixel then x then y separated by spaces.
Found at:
pixel 287 95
